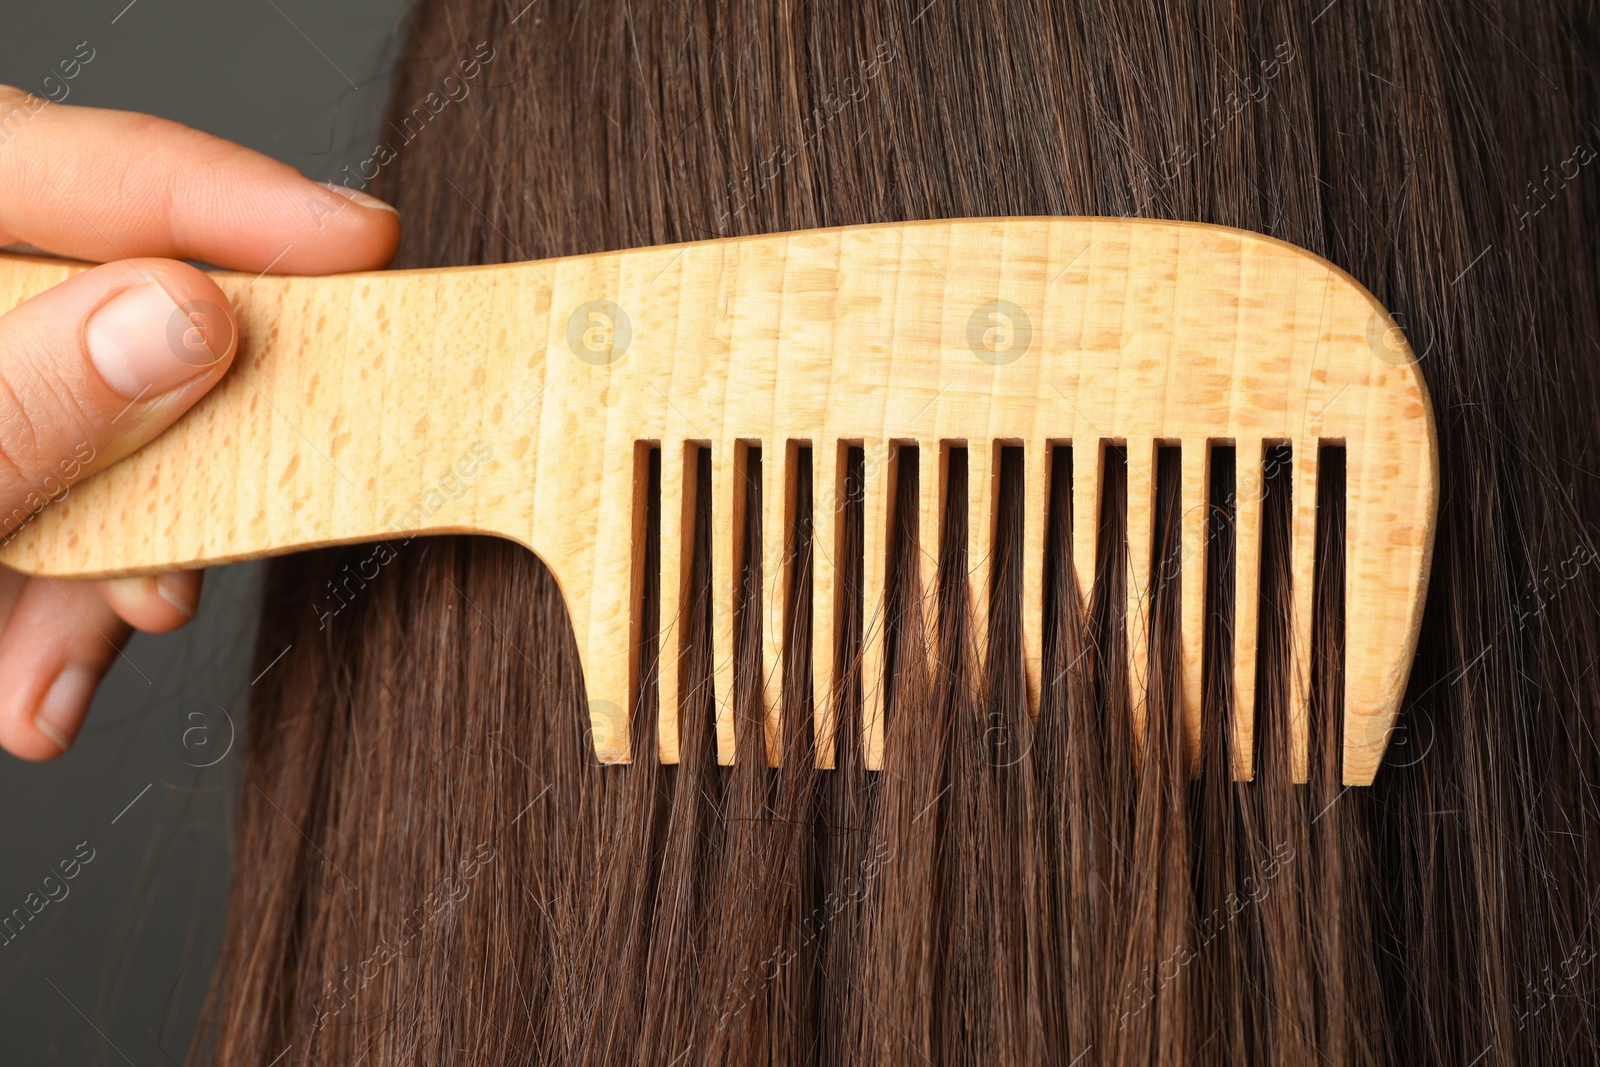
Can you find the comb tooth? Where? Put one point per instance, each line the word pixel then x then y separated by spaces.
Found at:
pixel 878 486
pixel 777 515
pixel 932 465
pixel 1035 516
pixel 1088 460
pixel 825 480
pixel 727 525
pixel 678 464
pixel 1302 588
pixel 1388 529
pixel 1249 456
pixel 605 624
pixel 1196 492
pixel 1141 531
pixel 980 531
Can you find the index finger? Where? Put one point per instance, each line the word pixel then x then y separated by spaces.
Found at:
pixel 105 185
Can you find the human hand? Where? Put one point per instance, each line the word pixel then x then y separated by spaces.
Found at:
pixel 95 367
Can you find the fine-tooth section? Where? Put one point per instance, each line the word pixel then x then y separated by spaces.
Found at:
pixel 1035 518
pixel 827 476
pixel 1088 462
pixel 1249 456
pixel 981 476
pixel 777 560
pixel 1141 531
pixel 1302 588
pixel 679 463
pixel 728 473
pixel 1196 493
pixel 879 466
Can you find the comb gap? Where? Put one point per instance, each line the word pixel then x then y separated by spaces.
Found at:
pixel 1273 715
pixel 644 588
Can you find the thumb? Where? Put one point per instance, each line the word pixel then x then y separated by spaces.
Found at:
pixel 96 366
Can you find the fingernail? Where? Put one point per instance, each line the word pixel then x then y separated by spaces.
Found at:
pixel 61 711
pixel 143 343
pixel 356 196
pixel 167 590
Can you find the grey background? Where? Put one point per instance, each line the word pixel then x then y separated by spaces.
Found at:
pixel 116 972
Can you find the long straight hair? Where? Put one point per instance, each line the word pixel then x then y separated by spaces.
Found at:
pixel 430 865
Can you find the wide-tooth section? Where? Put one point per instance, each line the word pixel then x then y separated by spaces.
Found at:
pixel 1249 457
pixel 1035 518
pixel 878 488
pixel 884 463
pixel 1141 531
pixel 1302 589
pixel 679 463
pixel 1196 493
pixel 777 519
pixel 827 474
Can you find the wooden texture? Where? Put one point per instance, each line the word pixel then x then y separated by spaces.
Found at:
pixel 518 401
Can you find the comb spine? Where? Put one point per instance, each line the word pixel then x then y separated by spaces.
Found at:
pixel 1302 587
pixel 1250 456
pixel 1196 494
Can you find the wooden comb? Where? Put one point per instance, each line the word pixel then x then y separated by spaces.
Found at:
pixel 524 401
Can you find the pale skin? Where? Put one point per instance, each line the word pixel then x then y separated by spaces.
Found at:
pixel 97 366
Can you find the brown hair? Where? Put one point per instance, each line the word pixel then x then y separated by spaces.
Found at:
pixel 430 865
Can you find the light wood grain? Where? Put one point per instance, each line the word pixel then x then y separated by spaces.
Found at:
pixel 1249 455
pixel 880 467
pixel 356 402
